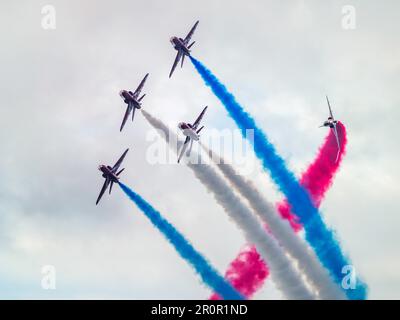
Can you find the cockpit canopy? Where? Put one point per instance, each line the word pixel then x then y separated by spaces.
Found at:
pixel 174 40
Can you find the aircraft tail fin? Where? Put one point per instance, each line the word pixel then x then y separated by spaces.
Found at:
pixel 183 59
pixel 111 185
pixel 191 44
pixel 133 113
pixel 190 148
pixel 198 131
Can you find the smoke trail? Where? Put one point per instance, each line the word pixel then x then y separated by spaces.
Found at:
pixel 320 237
pixel 247 272
pixel 207 273
pixel 319 175
pixel 284 275
pixel 308 263
pixel 286 278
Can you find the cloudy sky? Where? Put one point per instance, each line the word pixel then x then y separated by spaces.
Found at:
pixel 60 115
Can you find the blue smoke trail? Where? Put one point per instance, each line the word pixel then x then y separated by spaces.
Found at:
pixel 208 274
pixel 319 236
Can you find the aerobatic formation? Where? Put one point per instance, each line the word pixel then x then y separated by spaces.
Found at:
pixel 302 267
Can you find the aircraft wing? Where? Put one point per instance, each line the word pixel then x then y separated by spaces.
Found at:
pixel 184 146
pixel 103 189
pixel 337 140
pixel 140 87
pixel 198 120
pixel 178 57
pixel 127 112
pixel 116 166
pixel 190 34
pixel 329 106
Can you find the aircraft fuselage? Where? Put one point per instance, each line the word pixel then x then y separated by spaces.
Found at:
pixel 179 45
pixel 330 123
pixel 108 173
pixel 129 98
pixel 188 131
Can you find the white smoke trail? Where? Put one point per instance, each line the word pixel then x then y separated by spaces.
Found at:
pixel 285 276
pixel 296 247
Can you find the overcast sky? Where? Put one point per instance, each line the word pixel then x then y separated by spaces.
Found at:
pixel 60 116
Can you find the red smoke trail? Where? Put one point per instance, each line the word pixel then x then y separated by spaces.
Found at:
pixel 248 271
